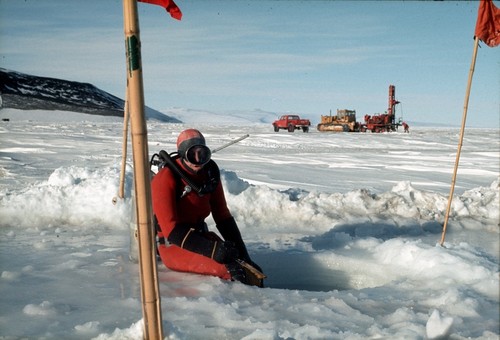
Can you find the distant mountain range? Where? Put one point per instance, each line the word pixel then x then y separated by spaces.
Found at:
pixel 27 92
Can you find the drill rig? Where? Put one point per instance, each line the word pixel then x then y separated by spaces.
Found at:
pixel 383 122
pixel 345 120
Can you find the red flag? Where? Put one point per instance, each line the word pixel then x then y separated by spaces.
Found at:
pixel 488 23
pixel 169 5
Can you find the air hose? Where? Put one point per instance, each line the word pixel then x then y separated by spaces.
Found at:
pixel 173 166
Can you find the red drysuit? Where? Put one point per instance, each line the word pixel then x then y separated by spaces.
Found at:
pixel 188 211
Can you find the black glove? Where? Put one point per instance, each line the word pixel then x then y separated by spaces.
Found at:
pixel 225 252
pixel 237 272
pixel 230 232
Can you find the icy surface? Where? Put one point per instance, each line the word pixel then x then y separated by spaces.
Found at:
pixel 346 226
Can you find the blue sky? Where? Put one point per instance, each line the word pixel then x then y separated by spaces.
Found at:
pixel 306 57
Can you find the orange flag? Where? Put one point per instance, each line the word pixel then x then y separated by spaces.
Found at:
pixel 488 23
pixel 169 5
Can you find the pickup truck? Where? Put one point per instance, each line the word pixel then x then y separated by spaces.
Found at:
pixel 291 123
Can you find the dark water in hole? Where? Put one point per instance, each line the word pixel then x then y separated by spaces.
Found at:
pixel 299 271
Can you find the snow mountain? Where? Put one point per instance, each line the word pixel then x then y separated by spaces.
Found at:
pixel 27 92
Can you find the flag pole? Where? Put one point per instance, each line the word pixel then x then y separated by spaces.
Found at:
pixel 151 304
pixel 126 115
pixel 461 138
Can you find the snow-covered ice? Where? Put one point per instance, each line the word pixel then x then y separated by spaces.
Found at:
pixel 346 226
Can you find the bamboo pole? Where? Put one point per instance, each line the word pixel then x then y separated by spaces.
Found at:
pixel 460 139
pixel 126 115
pixel 151 304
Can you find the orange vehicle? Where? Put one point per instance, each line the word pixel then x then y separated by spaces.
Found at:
pixel 344 121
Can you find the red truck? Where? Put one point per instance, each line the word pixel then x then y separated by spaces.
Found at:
pixel 291 123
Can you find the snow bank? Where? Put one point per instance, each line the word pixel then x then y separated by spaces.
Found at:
pixel 71 196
